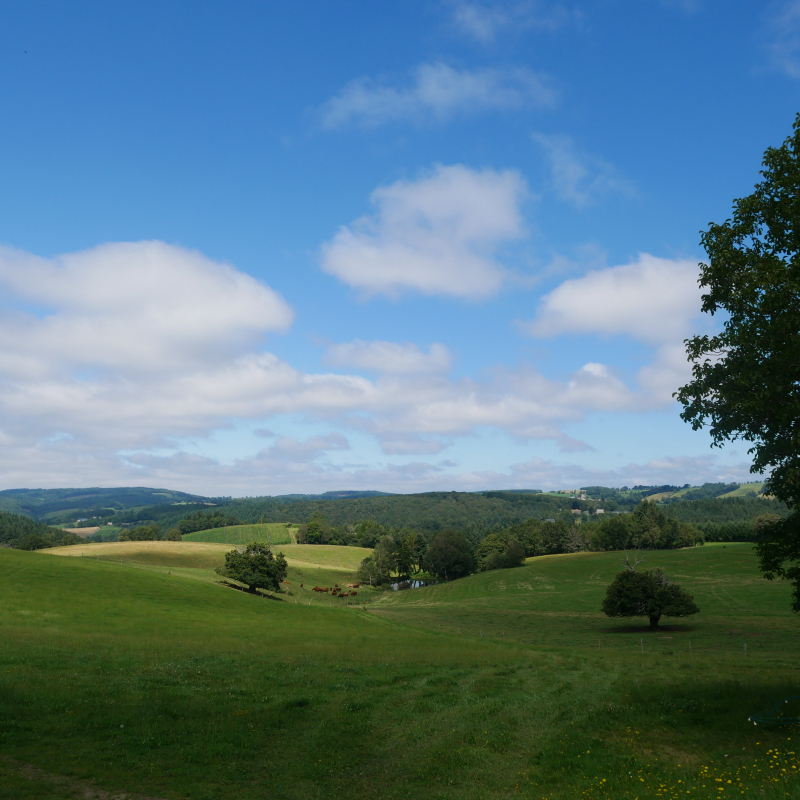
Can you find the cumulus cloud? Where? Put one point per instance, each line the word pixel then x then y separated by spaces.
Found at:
pixel 437 93
pixel 652 299
pixel 483 22
pixel 436 235
pixel 133 306
pixel 111 357
pixel 577 177
pixel 784 38
pixel 390 357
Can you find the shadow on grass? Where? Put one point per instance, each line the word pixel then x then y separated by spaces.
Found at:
pixel 646 629
pixel 257 593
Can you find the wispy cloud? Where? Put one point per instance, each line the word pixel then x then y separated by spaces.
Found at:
pixel 578 177
pixel 784 38
pixel 392 358
pixel 435 235
pixel 436 93
pixel 484 22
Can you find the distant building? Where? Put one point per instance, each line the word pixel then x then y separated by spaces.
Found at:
pixel 549 520
pixel 576 511
pixel 600 511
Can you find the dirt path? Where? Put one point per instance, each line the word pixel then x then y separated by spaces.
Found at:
pixel 70 787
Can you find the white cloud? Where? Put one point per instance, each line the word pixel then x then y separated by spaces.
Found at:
pixel 390 357
pixel 784 33
pixel 652 299
pixel 94 389
pixel 437 93
pixel 130 306
pixel 577 177
pixel 436 235
pixel 483 22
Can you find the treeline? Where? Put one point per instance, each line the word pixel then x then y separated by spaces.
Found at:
pixel 725 510
pixel 25 533
pixel 405 552
pixel 149 533
pixel 432 511
pixel 206 521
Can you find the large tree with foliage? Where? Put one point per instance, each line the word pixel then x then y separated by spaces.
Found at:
pixel 647 594
pixel 449 555
pixel 746 378
pixel 256 566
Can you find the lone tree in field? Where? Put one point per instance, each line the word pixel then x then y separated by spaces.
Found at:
pixel 745 379
pixel 256 566
pixel 647 594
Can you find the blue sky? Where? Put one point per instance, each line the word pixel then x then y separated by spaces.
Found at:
pixel 257 249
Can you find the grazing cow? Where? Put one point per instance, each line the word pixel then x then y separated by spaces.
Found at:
pixel 353 593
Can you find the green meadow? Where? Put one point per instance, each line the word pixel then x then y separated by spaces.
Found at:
pixel 275 532
pixel 134 671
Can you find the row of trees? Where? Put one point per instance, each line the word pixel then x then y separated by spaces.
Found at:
pixel 447 555
pixel 24 533
pixel 206 520
pixel 149 533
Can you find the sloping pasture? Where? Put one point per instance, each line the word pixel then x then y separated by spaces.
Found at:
pixel 142 681
pixel 554 601
pixel 275 532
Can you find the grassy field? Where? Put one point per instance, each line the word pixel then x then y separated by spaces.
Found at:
pixel 276 532
pixel 128 677
pixel 745 489
pixel 309 565
pixel 554 601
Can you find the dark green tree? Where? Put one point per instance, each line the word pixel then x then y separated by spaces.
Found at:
pixel 449 555
pixel 256 566
pixel 385 557
pixel 745 379
pixel 613 533
pixel 647 594
pixel 144 533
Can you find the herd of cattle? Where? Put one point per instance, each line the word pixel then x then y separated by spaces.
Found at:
pixel 338 591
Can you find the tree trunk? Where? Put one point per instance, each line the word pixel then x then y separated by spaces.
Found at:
pixel 654 622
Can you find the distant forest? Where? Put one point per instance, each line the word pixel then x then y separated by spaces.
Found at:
pixel 476 513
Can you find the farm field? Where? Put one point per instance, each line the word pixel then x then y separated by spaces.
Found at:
pixel 745 489
pixel 323 565
pixel 276 532
pixel 138 679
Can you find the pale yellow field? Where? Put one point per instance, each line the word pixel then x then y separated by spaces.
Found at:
pixel 207 555
pixel 330 556
pixel 82 532
pixel 196 555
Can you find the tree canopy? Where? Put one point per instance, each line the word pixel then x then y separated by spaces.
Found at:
pixel 449 555
pixel 256 566
pixel 745 379
pixel 647 594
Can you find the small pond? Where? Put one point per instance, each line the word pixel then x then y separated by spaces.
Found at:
pixel 399 587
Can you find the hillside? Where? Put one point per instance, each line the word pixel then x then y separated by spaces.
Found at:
pixel 57 506
pixel 134 677
pixel 427 512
